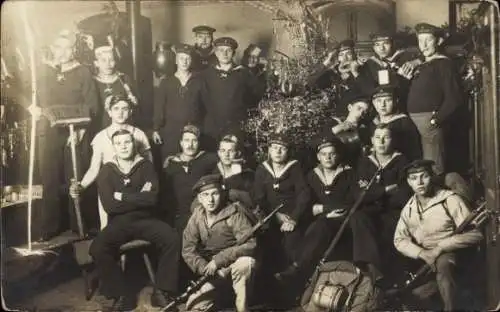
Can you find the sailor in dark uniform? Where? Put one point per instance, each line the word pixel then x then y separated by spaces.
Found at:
pixel 341 72
pixel 434 94
pixel 203 48
pixel 177 102
pixel 405 136
pixel 229 92
pixel 280 180
pixel 334 188
pixel 374 223
pixel 386 66
pixel 182 171
pixel 109 81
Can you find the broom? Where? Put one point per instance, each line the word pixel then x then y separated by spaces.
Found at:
pixel 30 39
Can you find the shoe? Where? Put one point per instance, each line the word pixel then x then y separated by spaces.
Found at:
pixel 124 304
pixel 160 299
pixel 288 273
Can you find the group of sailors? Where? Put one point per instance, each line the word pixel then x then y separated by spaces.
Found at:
pixel 207 197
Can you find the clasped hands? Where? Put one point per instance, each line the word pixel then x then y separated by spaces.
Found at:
pixel 430 256
pixel 211 269
pixel 287 223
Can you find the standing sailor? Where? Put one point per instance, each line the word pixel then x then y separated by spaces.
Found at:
pixel 203 47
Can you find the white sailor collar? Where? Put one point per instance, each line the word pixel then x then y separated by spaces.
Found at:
pixel 320 174
pixel 394 117
pixel 235 169
pixel 277 175
pixel 382 166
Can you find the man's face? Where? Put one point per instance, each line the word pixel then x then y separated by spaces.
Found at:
pixel 62 50
pixel 210 199
pixel 124 146
pixel 382 48
pixel 384 105
pixel 427 43
pixel 420 182
pixel 119 112
pixel 327 157
pixel 382 141
pixel 105 63
pixel 253 58
pixel 189 144
pixel 224 54
pixel 358 110
pixel 346 56
pixel 183 61
pixel 203 40
pixel 278 153
pixel 227 152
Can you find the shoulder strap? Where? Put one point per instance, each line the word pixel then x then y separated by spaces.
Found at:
pixel 447 211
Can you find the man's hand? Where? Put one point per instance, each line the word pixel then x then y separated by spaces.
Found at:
pixel 281 217
pixel 147 187
pixel 430 256
pixel 35 111
pixel 118 196
pixel 363 183
pixel 210 268
pixel 157 138
pixel 337 213
pixel 75 189
pixel 167 161
pixel 329 60
pixel 406 70
pixel 390 188
pixel 288 226
pixel 317 209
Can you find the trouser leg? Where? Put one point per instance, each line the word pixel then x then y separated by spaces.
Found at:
pixel 105 252
pixel 167 243
pixel 445 266
pixel 316 240
pixel 290 242
pixel 364 235
pixel 241 275
pixel 432 139
pixel 50 154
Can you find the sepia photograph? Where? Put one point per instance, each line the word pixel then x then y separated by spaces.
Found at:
pixel 250 155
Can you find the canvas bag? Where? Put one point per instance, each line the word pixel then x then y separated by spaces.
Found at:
pixel 340 286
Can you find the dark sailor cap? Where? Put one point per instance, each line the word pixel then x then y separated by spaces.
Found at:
pixel 346 44
pixel 381 35
pixel 227 42
pixel 184 48
pixel 203 29
pixel 208 182
pixel 280 139
pixel 425 28
pixel 419 165
pixel 383 90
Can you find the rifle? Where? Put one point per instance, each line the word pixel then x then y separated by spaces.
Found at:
pixel 196 285
pixel 473 221
pixel 336 239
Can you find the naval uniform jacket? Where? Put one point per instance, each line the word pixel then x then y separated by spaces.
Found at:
pixel 368 75
pixel 336 194
pixel 392 172
pixel 240 178
pixel 435 87
pixel 288 187
pixel 405 135
pixel 175 106
pixel 203 58
pixel 228 96
pixel 180 177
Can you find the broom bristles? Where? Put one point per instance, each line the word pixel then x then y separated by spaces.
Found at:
pixel 25 252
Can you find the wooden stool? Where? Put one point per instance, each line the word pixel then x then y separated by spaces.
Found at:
pixel 89 279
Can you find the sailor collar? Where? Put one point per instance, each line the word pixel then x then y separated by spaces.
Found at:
pixel 322 177
pixel 235 169
pixel 279 174
pixel 225 73
pixel 126 180
pixel 394 117
pixel 186 165
pixel 384 165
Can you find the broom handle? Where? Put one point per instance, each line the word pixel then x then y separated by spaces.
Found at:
pixel 31 49
pixel 76 200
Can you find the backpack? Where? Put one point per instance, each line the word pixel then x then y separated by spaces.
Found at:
pixel 340 286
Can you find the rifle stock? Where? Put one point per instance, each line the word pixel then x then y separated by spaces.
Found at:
pixel 195 286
